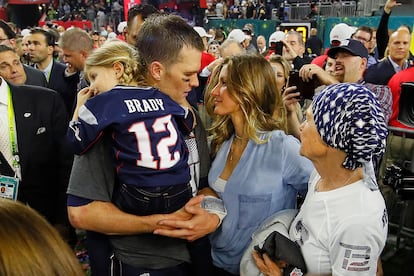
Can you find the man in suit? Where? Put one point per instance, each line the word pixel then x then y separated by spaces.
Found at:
pixel 397 60
pixel 41 44
pixel 13 71
pixel 36 155
pixel 8 39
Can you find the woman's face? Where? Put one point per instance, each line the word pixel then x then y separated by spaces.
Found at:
pixel 280 76
pixel 312 144
pixel 224 104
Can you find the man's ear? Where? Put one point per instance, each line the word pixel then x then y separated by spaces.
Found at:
pixel 156 69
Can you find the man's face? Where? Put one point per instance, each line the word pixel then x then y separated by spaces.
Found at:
pixel 399 46
pixel 11 69
pixel 363 37
pixel 133 29
pixel 179 78
pixel 373 42
pixel 75 60
pixel 261 43
pixel 295 44
pixel 4 40
pixel 38 48
pixel 349 68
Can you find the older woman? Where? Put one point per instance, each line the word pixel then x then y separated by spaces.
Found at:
pixel 342 225
pixel 257 169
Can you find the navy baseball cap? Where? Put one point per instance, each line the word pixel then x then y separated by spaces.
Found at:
pixel 352 46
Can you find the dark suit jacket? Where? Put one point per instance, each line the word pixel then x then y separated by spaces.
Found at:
pixel 41 123
pixel 34 76
pixel 380 73
pixel 65 86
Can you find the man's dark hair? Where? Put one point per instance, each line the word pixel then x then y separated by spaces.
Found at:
pixel 144 10
pixel 49 36
pixel 162 38
pixel 365 29
pixel 7 30
pixel 5 48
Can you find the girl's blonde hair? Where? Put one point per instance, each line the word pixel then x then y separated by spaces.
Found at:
pixel 118 51
pixel 251 82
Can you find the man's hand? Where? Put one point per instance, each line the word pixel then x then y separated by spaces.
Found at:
pixel 288 52
pixel 389 5
pixel 200 224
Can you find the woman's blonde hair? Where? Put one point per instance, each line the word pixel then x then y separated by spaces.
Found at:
pixel 30 246
pixel 251 83
pixel 118 51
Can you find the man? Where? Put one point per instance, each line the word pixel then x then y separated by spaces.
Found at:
pixel 261 45
pixel 350 65
pixel 34 158
pixel 41 45
pixel 396 61
pixel 294 50
pixel 364 34
pixel 76 45
pixel 13 71
pixel 135 249
pixel 8 38
pixel 314 44
pixel 136 17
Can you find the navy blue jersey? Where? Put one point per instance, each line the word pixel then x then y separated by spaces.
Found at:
pixel 149 150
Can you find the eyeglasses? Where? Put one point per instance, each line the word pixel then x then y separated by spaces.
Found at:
pixel 362 39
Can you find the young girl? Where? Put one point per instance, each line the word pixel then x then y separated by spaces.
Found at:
pixel 150 155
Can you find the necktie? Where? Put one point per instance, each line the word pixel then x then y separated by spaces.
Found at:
pixel 5 143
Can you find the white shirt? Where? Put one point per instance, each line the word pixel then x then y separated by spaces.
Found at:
pixel 342 231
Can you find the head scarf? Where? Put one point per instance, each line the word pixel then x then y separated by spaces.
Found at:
pixel 349 117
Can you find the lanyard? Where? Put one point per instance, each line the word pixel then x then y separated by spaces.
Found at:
pixel 12 130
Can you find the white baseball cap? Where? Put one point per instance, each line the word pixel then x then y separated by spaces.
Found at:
pixel 237 35
pixel 201 32
pixel 341 32
pixel 276 37
pixel 121 26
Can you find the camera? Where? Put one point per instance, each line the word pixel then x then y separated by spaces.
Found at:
pixel 306 89
pixel 277 47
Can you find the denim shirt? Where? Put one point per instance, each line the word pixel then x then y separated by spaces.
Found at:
pixel 266 180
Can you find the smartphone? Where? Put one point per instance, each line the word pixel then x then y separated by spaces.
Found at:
pixel 306 89
pixel 277 47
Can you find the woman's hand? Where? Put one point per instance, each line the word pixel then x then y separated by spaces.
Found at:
pixel 200 224
pixel 290 98
pixel 266 265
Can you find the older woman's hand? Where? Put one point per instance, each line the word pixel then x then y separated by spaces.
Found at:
pixel 200 224
pixel 266 265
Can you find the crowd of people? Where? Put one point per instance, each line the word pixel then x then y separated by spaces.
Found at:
pixel 172 146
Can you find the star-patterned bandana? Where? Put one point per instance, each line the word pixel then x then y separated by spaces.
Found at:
pixel 349 117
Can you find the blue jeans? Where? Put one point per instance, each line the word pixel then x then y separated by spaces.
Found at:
pixel 145 201
pixel 119 268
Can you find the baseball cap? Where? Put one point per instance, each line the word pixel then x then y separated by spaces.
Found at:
pixel 341 32
pixel 201 32
pixel 248 28
pixel 237 35
pixel 352 46
pixel 121 26
pixel 276 37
